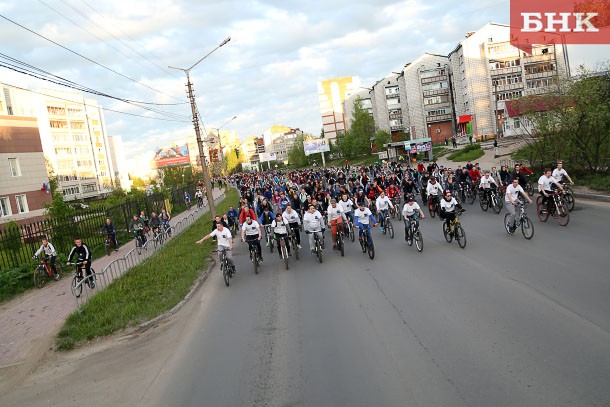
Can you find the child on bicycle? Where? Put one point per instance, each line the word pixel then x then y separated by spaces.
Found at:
pixel 84 256
pixel 49 251
pixel 109 229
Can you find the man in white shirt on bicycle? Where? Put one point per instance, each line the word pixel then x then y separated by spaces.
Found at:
pixel 336 219
pixel 411 210
pixel 511 198
pixel 313 223
pixel 294 221
pixel 224 240
pixel 383 203
pixel 560 172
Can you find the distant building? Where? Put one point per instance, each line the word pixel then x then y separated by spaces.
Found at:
pixel 117 158
pixel 283 143
pixel 332 93
pixel 348 105
pixel 390 104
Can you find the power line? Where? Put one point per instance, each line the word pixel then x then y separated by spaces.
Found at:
pixel 84 57
pixel 103 108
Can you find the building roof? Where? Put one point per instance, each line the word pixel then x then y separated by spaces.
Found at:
pixel 532 104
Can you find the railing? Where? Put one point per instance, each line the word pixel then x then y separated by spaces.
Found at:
pixel 132 258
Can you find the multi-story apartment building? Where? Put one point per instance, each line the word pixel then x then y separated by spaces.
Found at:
pixel 119 163
pixel 366 100
pixel 74 140
pixel 250 149
pixel 488 71
pixel 332 93
pixel 429 97
pixel 281 144
pixel 390 103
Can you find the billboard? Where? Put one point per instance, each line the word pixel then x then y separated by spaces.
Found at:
pixel 171 157
pixel 263 157
pixel 315 146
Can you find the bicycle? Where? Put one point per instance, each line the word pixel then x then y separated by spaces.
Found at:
pixel 366 243
pixel 44 271
pixel 77 280
pixel 158 235
pixel 109 245
pixel 387 226
pixel 456 230
pixel 253 255
pixel 434 206
pixel 414 234
pixel 318 245
pixel 187 203
pixel 199 203
pixel 395 211
pixel 167 228
pixel 568 197
pixel 340 241
pixel 268 238
pixel 227 269
pixel 283 251
pixel 139 240
pixel 293 242
pixel 489 198
pixel 521 219
pixel 233 226
pixel 555 206
pixel 349 231
pixel 471 193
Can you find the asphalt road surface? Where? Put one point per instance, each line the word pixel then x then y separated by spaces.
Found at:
pixel 503 322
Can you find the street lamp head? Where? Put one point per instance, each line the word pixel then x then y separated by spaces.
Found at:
pixel 224 42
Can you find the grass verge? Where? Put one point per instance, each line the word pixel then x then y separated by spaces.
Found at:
pixel 598 182
pixel 439 151
pixel 147 290
pixel 469 153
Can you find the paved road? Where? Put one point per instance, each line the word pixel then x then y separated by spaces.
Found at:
pixel 504 322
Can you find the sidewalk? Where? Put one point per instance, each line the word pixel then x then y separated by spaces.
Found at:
pixel 30 320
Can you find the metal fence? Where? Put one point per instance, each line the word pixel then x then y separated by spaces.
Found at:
pixel 177 198
pixel 134 257
pixel 18 244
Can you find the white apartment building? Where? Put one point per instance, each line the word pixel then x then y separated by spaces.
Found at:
pixel 119 163
pixel 390 103
pixel 488 71
pixel 74 140
pixel 281 144
pixel 331 94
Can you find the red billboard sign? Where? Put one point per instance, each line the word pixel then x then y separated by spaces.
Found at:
pixel 171 157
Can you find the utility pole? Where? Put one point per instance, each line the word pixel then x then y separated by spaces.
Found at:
pixel 206 174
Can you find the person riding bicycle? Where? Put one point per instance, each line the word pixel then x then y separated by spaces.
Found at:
pixel 348 207
pixel 49 251
pixel 199 197
pixel 224 240
pixel 294 221
pixel 511 197
pixel 233 215
pixel 517 173
pixel 187 199
pixel 251 233
pixel 265 220
pixel 485 184
pixel 313 224
pixel 245 212
pixel 109 229
pixel 165 218
pixel 154 222
pixel 410 210
pixel 218 219
pixel 409 187
pixel 434 191
pixel 280 231
pixel 382 204
pixel 560 172
pixel 136 226
pixel 336 218
pixel 83 254
pixel 448 205
pixel 546 185
pixel 392 191
pixel 362 216
pixel 144 218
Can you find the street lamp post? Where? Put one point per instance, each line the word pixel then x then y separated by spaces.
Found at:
pixel 206 174
pixel 220 146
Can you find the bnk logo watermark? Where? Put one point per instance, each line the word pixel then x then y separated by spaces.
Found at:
pixel 559 21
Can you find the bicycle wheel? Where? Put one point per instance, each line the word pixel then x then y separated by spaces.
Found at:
pixel 255 262
pixel 409 233
pixel 419 240
pixel 398 213
pixel 59 271
pixel 460 235
pixel 472 197
pixel 506 226
pixel 390 229
pixel 569 198
pixel 541 216
pixel 371 250
pixel 563 215
pixel 108 248
pixel 39 276
pixel 270 243
pixel 319 250
pixel 77 288
pixel 527 228
pixel 226 274
pixel 495 206
pixel 352 235
pixel 432 211
pixel 139 245
pixel 447 233
pixel 285 254
pixel 385 230
pixel 484 203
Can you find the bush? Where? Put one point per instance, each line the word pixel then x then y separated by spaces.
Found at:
pixel 468 153
pixel 15 281
pixel 599 182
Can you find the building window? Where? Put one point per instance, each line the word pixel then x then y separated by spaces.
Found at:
pixel 13 164
pixel 22 203
pixel 9 103
pixel 89 188
pixel 5 207
pixel 71 191
pixel 516 123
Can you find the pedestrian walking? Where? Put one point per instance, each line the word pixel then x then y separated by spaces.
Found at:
pixel 496 148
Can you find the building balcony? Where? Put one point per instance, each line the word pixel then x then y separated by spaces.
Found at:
pixel 395 116
pixel 432 79
pixel 398 127
pixel 392 96
pixel 438 118
pixel 435 92
pixel 505 71
pixel 511 86
pixel 538 58
pixel 540 74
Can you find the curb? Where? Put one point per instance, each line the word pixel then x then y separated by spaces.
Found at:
pixel 592 197
pixel 202 278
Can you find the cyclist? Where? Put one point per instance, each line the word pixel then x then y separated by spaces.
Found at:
pixel 251 233
pixel 348 207
pixel 545 186
pixel 280 231
pixel 434 191
pixel 49 251
pixel 136 226
pixel 560 172
pixel 383 203
pixel 448 205
pixel 245 212
pixel 233 215
pixel 392 190
pixel 362 216
pixel 517 173
pixel 294 221
pixel 313 223
pixel 336 218
pixel 165 218
pixel 199 197
pixel 485 184
pixel 225 242
pixel 155 222
pixel 84 256
pixel 512 194
pixel 187 200
pixel 144 219
pixel 265 220
pixel 410 210
pixel 109 229
pixel 218 219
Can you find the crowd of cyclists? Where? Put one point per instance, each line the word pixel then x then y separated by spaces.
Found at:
pixel 276 205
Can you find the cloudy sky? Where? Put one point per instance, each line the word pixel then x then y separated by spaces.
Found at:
pixel 265 75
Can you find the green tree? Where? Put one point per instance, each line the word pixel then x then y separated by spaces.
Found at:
pixel 357 140
pixel 137 182
pixel 296 155
pixel 382 137
pixel 232 160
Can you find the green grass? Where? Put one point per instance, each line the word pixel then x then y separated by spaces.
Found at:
pixel 469 153
pixel 15 281
pixel 147 290
pixel 439 151
pixel 599 182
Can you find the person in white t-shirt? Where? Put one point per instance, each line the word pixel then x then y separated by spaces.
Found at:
pixel 411 210
pixel 545 186
pixel 280 231
pixel 560 172
pixel 336 218
pixel 486 184
pixel 251 233
pixel 511 198
pixel 448 206
pixel 313 223
pixel 224 240
pixel 383 203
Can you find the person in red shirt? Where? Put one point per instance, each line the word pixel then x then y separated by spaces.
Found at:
pixel 245 211
pixel 392 191
pixel 475 175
